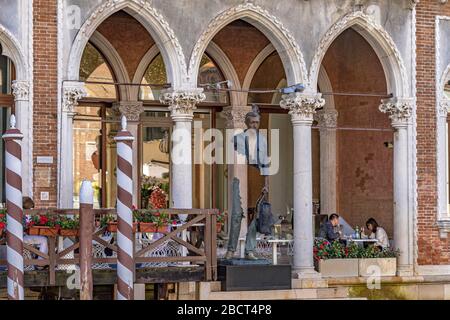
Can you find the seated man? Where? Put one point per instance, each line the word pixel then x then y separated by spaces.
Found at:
pixel 40 241
pixel 327 229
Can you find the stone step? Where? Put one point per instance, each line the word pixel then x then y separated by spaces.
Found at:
pixel 292 294
pixel 309 283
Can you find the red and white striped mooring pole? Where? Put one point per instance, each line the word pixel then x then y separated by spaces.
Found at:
pixel 14 236
pixel 125 243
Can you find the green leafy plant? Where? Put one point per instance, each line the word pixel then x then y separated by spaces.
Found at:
pixel 104 220
pixel 149 216
pixel 323 249
pixel 143 216
pixel 69 223
pixel 43 220
pixel 221 217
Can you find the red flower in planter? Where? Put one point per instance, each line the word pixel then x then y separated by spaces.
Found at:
pixel 43 220
pixel 2 225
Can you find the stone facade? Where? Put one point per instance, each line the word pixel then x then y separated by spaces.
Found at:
pixel 406 42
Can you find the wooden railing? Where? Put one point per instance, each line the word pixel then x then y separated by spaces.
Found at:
pixel 205 255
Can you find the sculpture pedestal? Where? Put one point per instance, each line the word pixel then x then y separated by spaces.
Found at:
pixel 247 275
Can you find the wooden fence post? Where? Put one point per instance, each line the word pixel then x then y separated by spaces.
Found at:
pixel 14 216
pixel 86 231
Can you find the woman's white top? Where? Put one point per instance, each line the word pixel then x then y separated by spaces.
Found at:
pixel 381 236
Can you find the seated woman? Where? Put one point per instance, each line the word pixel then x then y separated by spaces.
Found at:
pixel 377 232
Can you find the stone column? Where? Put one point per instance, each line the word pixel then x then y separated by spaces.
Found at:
pixel 182 104
pixel 327 120
pixel 72 92
pixel 442 168
pixel 302 107
pixel 20 91
pixel 399 111
pixel 235 124
pixel 132 111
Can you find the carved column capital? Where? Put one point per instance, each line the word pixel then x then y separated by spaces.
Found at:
pixel 20 90
pixel 72 92
pixel 327 119
pixel 235 116
pixel 399 110
pixel 302 106
pixel 182 103
pixel 130 109
pixel 444 107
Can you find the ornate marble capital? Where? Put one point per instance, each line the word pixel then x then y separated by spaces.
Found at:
pixel 20 90
pixel 327 119
pixel 444 107
pixel 182 103
pixel 302 106
pixel 130 109
pixel 73 91
pixel 235 116
pixel 399 110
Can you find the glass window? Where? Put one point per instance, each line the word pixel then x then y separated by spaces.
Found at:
pixel 155 155
pixel 202 173
pixel 6 76
pixel 87 151
pixel 95 155
pixel 155 74
pixel 94 68
pixel 209 73
pixel 270 75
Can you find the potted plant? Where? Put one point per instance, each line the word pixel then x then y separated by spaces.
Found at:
pixel 162 222
pixel 220 220
pixel 109 222
pixel 153 221
pixel 69 227
pixel 158 198
pixel 2 222
pixel 145 220
pixel 337 260
pixel 334 259
pixel 43 225
pixel 384 260
pixel 147 185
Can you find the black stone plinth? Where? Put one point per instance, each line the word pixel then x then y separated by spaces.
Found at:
pixel 247 275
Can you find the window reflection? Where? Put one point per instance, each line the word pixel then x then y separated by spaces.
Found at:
pixel 94 68
pixel 156 74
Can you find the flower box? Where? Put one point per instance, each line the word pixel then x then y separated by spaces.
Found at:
pixel 113 226
pixel 147 227
pixel 386 266
pixel 43 231
pixel 163 229
pixel 152 227
pixel 69 232
pixel 338 267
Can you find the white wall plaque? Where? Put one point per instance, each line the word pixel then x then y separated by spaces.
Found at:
pixel 45 160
